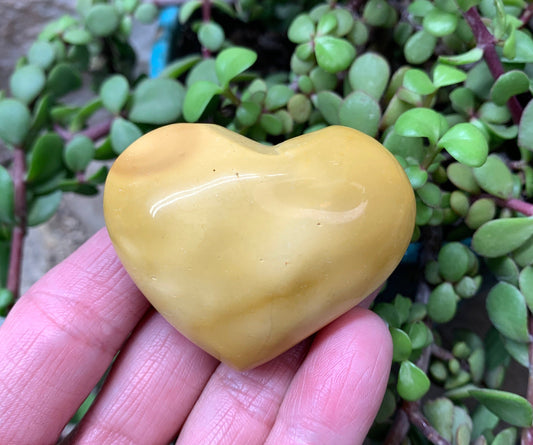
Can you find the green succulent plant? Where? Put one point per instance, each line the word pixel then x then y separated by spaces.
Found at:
pixel 445 85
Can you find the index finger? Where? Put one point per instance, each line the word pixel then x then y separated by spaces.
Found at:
pixel 59 339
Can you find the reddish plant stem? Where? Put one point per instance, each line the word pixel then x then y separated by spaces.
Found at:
pixel 515 204
pixel 527 433
pixel 485 41
pixel 399 429
pixel 206 17
pixel 441 353
pixel 98 131
pixel 94 133
pixel 416 417
pixel 527 14
pixel 19 231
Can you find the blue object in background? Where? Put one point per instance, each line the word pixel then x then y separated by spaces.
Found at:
pixel 168 20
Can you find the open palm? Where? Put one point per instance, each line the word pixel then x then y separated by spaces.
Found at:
pixel 60 338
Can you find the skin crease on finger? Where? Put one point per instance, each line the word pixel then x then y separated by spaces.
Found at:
pixel 59 339
pixel 82 312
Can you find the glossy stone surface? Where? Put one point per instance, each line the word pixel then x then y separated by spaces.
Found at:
pixel 248 249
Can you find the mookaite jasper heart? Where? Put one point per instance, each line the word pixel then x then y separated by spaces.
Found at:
pixel 247 249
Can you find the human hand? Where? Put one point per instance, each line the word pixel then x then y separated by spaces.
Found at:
pixel 60 338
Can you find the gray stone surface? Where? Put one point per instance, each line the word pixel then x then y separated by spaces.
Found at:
pixel 78 217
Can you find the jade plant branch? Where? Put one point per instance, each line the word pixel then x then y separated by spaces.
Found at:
pixel 19 231
pixel 18 173
pixel 485 41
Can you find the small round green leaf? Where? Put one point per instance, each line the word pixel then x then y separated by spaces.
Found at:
pixel 6 197
pixel 467 286
pixel 27 82
pixel 508 85
pixel 501 236
pixel 419 334
pixel 442 303
pixel 77 36
pixel 376 12
pixel 232 62
pixel 42 54
pixel 329 103
pixel 327 23
pixel 6 300
pixel 359 33
pixel 444 75
pixel 42 208
pixel 333 54
pixel 360 111
pixel 388 313
pixel 480 212
pixel 462 177
pixel 197 98
pixel 504 269
pixel 301 29
pixel 418 81
pixel 524 254
pixel 525 280
pixel 211 35
pixel 523 52
pixel 401 345
pixel 525 129
pixel 421 122
pixel 187 9
pixel 507 311
pixel 102 20
pixel 430 194
pixel 123 134
pixel 472 56
pixel 466 144
pixel 518 351
pixel 509 407
pixel 63 79
pixel 419 47
pixel 495 177
pixel 417 177
pixel 322 80
pixel 271 124
pixel 157 101
pixel 370 73
pixel 247 113
pixel 114 93
pixel 413 383
pixel 175 69
pixel 440 23
pixel 453 261
pixel 15 121
pixel 345 21
pixel 46 158
pixel 300 108
pixel 505 437
pixel 204 70
pixel 459 202
pixel 277 96
pixel 79 152
pixel 420 8
pixel 494 114
pixel 146 13
pixel 440 413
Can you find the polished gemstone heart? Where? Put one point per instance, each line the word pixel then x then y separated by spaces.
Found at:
pixel 247 249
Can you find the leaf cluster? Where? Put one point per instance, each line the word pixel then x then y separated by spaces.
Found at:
pixel 445 85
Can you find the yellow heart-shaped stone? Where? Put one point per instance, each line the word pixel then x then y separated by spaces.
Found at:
pixel 247 249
